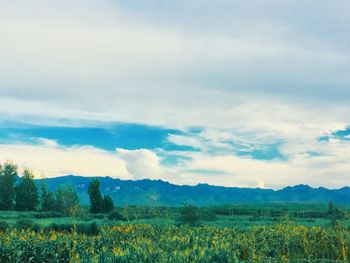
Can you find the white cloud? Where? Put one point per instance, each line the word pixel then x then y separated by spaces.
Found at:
pixel 251 73
pixel 118 63
pixel 51 160
pixel 143 164
pixel 46 142
pixel 329 168
pixel 93 60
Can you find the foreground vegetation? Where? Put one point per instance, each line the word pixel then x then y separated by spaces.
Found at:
pixel 147 243
pixel 256 233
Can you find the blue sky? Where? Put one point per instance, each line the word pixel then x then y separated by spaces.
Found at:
pixel 235 93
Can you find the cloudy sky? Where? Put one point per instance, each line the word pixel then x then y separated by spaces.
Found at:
pixel 226 92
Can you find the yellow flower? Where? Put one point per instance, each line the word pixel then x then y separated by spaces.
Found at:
pixel 118 251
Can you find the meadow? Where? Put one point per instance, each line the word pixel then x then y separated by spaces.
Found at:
pixel 238 233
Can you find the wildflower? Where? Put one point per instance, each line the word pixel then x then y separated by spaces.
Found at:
pixel 53 236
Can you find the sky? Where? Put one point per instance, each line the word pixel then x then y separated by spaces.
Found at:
pixel 226 92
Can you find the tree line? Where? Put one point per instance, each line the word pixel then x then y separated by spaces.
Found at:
pixel 22 193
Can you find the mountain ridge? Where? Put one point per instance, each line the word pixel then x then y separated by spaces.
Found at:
pixel 158 192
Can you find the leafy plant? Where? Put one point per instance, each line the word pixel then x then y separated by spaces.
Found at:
pixel 26 224
pixel 115 215
pixel 3 225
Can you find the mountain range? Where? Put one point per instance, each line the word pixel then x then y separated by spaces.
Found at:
pixel 157 192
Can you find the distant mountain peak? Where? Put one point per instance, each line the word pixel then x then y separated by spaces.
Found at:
pixel 298 187
pixel 138 192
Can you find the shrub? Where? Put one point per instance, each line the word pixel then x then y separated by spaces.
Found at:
pixel 190 215
pixel 36 228
pixel 108 203
pixel 115 215
pixel 97 216
pixel 24 223
pixel 87 218
pixel 94 229
pixel 68 228
pixel 207 215
pixel 3 226
pixel 88 229
pixel 52 226
pixel 50 214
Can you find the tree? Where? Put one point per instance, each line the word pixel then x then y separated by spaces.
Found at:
pixel 334 213
pixel 190 215
pixel 8 176
pixel 108 204
pixel 27 196
pixel 48 200
pixel 331 208
pixel 96 201
pixel 66 199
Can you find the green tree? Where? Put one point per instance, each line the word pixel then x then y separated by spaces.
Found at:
pixel 331 208
pixel 8 176
pixel 108 204
pixel 66 199
pixel 48 200
pixel 96 201
pixel 27 196
pixel 190 215
pixel 334 213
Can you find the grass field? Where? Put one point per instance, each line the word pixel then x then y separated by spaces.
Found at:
pixel 250 233
pixel 236 216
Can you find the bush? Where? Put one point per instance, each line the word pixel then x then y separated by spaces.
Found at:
pixel 3 226
pixel 87 218
pixel 108 203
pixel 115 215
pixel 25 224
pixel 190 215
pixel 207 215
pixel 60 227
pixel 97 216
pixel 50 214
pixel 88 229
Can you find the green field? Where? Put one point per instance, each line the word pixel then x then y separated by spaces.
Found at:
pixel 236 233
pixel 236 216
